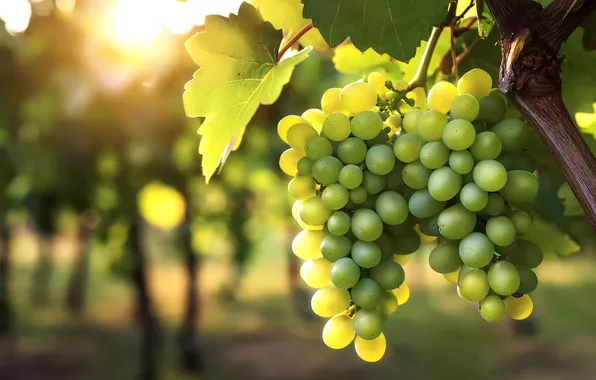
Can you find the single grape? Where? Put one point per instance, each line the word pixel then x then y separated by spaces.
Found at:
pixel 461 162
pixel 423 205
pixel 370 351
pixel 394 122
pixel 335 197
pixel 366 293
pixel 388 274
pixel 288 161
pixel 358 96
pixel 307 244
pixel 410 121
pixel 500 230
pixel 444 183
pixel 313 212
pixel 430 226
pixel 522 221
pixel 444 258
pixel 345 273
pixel 393 180
pixel 475 82
pixel 338 332
pixel 513 134
pixel 302 188
pixel 465 107
pixel 352 151
pixel 492 109
pixel 495 205
pixel 368 324
pixel 326 170
pixel 521 187
pixel 377 81
pixel 487 146
pixel 503 278
pixel 388 304
pixel 335 247
pixel 380 139
pixel 527 253
pixel 367 225
pixel 315 272
pixel 286 123
pixel 476 250
pixel 318 147
pixel 472 197
pixel 407 148
pixel 528 281
pixel 431 124
pixel 415 175
pixel 366 254
pixel 339 223
pixel 473 285
pixel 373 183
pixel 366 125
pixel 336 127
pixel 434 154
pixel 315 117
pixel 380 159
pixel 518 308
pixel 407 243
pixel 402 294
pixel 490 175
pixel 392 208
pixel 492 308
pixel 441 96
pixel 330 101
pixel 459 134
pixel 299 135
pixel 350 176
pixel 304 166
pixel 456 222
pixel 358 195
pixel 329 301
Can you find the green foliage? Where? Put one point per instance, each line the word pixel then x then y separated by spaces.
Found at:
pixel 485 19
pixel 239 71
pixel 550 238
pixel 393 27
pixel 572 206
pixel 589 38
pixel 443 45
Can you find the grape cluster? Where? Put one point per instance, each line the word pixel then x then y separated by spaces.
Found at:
pixel 369 185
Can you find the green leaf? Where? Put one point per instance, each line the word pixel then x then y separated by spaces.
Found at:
pixel 394 27
pixel 238 72
pixel 550 238
pixel 485 19
pixel 589 39
pixel 572 206
pixel 349 60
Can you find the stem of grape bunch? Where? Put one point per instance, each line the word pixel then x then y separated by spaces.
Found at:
pixel 531 37
pixel 293 40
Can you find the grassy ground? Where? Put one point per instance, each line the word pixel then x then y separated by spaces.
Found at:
pixel 262 336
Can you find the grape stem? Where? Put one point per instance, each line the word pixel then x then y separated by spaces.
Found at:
pixel 293 40
pixel 531 37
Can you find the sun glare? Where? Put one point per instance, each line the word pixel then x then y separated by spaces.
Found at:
pixel 136 21
pixel 16 15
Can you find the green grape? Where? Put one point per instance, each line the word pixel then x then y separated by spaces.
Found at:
pixel 394 121
pixel 381 139
pixel 407 243
pixel 326 170
pixel 430 226
pixel 288 161
pixel 503 278
pixel 386 244
pixel 528 281
pixel 475 82
pixel 476 250
pixel 410 121
pixel 388 304
pixel 339 223
pixel 517 308
pixel 315 117
pixel 358 96
pixel 465 107
pixel 415 175
pixel 495 205
pixel 366 225
pixel 299 135
pixel 336 127
pixel 423 205
pixel 372 183
pixel 350 176
pixel 318 147
pixel 500 230
pixel 456 222
pixel 461 162
pixel 513 134
pixel 434 154
pixel 487 146
pixel 380 159
pixel 352 151
pixel 371 351
pixel 313 212
pixel 431 124
pixel 302 188
pixel 366 125
pixel 392 208
pixel 345 273
pixel 473 284
pixel 492 109
pixel 492 308
pixel 358 195
pixel 393 180
pixel 330 101
pixel 444 258
pixel 528 254
pixel 286 123
pixel 335 197
pixel 377 80
pixel 388 274
pixel 521 187
pixel 304 166
pixel 329 301
pixel 407 148
pixel 366 293
pixel 307 244
pixel 472 197
pixel 335 247
pixel 441 96
pixel 368 324
pixel 444 183
pixel 489 175
pixel 366 254
pixel 315 272
pixel 522 221
pixel 480 126
pixel 459 134
pixel 338 332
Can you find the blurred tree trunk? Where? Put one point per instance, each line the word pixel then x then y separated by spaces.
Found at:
pixel 145 314
pixel 190 353
pixel 5 304
pixel 77 285
pixel 240 214
pixel 40 296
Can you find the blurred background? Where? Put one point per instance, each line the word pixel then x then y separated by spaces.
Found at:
pixel 118 262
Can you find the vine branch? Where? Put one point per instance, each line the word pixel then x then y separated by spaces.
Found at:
pixel 293 40
pixel 530 75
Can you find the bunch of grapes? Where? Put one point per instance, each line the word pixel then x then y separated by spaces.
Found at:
pixel 373 175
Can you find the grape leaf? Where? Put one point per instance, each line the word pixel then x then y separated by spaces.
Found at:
pixel 485 19
pixel 392 27
pixel 550 238
pixel 349 60
pixel 238 72
pixel 287 15
pixel 572 206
